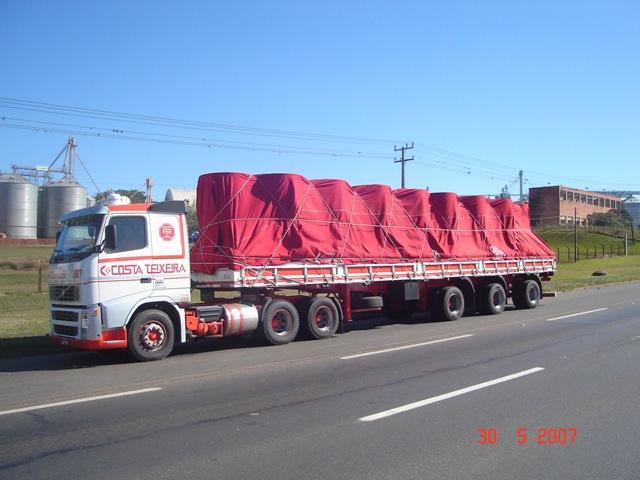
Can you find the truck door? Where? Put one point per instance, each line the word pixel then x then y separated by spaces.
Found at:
pixel 124 278
pixel 170 263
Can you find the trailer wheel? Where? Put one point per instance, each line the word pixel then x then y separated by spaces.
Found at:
pixel 280 322
pixel 526 294
pixel 320 318
pixel 492 299
pixel 150 335
pixel 447 304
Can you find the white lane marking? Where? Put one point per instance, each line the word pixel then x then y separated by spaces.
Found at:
pixel 439 398
pixel 414 345
pixel 79 400
pixel 576 314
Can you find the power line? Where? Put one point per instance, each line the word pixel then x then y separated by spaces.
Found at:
pixel 291 150
pixel 58 109
pixel 117 131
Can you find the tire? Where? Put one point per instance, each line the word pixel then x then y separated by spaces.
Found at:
pixel 368 302
pixel 150 335
pixel 492 299
pixel 279 322
pixel 320 318
pixel 447 304
pixel 526 294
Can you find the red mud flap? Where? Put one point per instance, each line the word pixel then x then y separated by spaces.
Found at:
pixel 110 339
pixel 549 294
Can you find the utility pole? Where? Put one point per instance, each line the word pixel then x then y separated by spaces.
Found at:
pixel 575 234
pixel 402 159
pixel 148 183
pixel 521 193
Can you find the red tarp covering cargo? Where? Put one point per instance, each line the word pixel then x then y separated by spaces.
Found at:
pixel 530 244
pixel 354 223
pixel 394 229
pixel 274 219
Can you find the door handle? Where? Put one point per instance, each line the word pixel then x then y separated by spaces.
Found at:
pixel 145 280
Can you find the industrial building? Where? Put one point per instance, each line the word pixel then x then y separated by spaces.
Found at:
pixel 557 205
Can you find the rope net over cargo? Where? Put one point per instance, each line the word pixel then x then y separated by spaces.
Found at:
pixel 276 219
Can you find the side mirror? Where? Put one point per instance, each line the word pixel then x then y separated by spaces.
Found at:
pixel 110 237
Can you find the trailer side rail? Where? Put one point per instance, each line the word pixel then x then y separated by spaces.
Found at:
pixel 302 274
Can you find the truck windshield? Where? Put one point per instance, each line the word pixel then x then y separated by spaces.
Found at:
pixel 77 239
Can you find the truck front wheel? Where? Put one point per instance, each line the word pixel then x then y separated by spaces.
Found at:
pixel 150 335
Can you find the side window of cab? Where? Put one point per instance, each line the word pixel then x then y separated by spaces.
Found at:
pixel 131 233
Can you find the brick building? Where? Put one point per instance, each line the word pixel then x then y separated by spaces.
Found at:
pixel 557 205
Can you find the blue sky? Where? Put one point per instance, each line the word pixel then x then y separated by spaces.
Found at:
pixel 482 88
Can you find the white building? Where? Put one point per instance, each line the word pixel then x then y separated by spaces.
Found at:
pixel 188 194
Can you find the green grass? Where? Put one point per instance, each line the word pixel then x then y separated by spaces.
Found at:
pixel 24 257
pixel 23 311
pixel 571 276
pixel 562 241
pixel 24 314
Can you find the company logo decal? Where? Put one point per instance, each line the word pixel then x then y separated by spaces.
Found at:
pixel 167 232
pixel 136 269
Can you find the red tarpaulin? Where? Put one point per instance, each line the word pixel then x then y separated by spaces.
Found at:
pixel 273 219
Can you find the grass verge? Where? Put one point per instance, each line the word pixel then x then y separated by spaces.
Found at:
pixel 24 314
pixel 571 276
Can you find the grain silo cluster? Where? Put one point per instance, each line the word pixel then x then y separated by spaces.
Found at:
pixel 28 210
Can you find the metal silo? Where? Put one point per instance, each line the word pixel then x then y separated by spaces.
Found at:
pixel 59 197
pixel 18 206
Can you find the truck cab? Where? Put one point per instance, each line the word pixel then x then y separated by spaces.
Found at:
pixel 118 274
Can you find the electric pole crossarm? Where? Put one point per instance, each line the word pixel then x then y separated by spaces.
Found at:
pixel 403 160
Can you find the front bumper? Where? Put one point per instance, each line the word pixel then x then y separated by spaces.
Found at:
pixel 108 340
pixel 81 327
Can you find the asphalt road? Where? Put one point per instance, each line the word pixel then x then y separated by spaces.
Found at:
pixel 556 388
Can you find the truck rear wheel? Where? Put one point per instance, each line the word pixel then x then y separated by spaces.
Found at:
pixel 320 318
pixel 447 304
pixel 526 294
pixel 492 299
pixel 150 335
pixel 280 322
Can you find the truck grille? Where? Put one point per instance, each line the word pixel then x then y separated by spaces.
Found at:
pixel 65 330
pixel 65 293
pixel 64 315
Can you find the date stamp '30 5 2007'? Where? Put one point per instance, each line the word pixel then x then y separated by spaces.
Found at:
pixel 539 436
